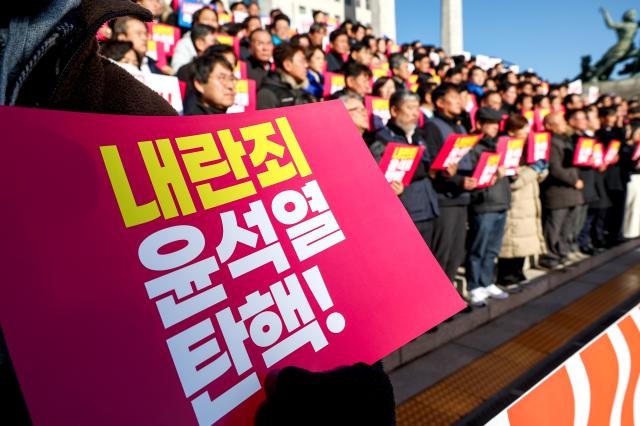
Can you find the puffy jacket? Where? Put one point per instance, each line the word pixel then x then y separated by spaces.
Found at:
pixel 523 232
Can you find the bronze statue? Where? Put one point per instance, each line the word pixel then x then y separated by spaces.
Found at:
pixel 622 50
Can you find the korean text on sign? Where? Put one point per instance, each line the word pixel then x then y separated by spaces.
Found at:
pixel 453 150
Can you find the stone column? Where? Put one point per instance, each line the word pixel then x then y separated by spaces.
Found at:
pixel 451 27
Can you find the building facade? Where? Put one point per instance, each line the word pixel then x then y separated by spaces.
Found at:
pixel 380 14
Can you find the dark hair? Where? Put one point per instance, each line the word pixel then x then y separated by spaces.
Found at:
pixel 236 4
pixel 280 17
pixel 196 15
pixel 199 31
pixel 219 49
pixel 399 96
pixel 442 90
pixel 245 23
pixel 568 99
pixel 515 122
pixel 316 27
pixel 506 86
pixel 475 68
pixel 337 33
pixel 572 113
pixel 420 56
pixel 453 71
pixel 284 52
pixel 121 25
pixel 521 97
pixel 358 46
pixel 204 65
pixel 490 93
pixel 315 13
pixel 295 40
pixel 354 69
pixel 425 89
pixel 115 50
pixel 311 50
pixel 607 112
pixel 375 91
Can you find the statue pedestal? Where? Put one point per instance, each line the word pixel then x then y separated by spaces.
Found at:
pixel 627 88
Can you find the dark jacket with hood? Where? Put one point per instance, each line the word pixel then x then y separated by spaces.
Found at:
pixel 450 190
pixel 419 198
pixel 277 92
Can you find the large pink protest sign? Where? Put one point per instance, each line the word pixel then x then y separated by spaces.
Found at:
pixel 144 247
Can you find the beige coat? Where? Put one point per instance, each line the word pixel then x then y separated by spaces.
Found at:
pixel 523 232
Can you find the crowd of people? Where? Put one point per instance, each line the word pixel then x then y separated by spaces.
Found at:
pixel 545 215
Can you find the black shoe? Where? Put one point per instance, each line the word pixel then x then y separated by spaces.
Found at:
pixel 589 251
pixel 548 262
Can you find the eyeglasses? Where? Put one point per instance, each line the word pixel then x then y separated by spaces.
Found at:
pixel 226 78
pixel 358 109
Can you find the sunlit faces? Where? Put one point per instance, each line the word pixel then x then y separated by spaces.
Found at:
pixel 220 89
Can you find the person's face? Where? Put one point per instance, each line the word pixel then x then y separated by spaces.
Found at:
pixel 360 84
pixel 154 6
pixel 281 29
pixel 360 33
pixel 493 101
pixel 451 103
pixel 512 78
pixel 297 67
pixel 220 90
pixel 491 85
pixel 575 102
pixel 320 18
pixel 341 44
pixel 610 120
pixel 402 71
pixel 316 38
pixel 527 103
pixel 490 130
pixel 456 79
pixel 556 124
pixel 358 114
pixel 253 25
pixel 253 9
pixel 544 103
pixel 527 89
pixel 208 17
pixel 423 65
pixel 407 114
pixel 510 95
pixel 316 61
pixel 137 35
pixel 382 46
pixel 478 78
pixel 387 89
pixel 202 44
pixel 579 122
pixel 240 7
pixel 304 43
pixel 363 56
pixel 261 46
pixel 130 58
pixel 373 46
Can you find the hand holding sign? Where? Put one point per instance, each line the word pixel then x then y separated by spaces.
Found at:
pixel 511 150
pixel 453 150
pixel 583 152
pixel 400 161
pixel 487 169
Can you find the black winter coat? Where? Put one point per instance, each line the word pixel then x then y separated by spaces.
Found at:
pixel 558 190
pixel 495 198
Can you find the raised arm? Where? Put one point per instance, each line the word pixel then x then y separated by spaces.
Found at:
pixel 608 21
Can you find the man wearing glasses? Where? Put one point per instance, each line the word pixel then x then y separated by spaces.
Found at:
pixel 215 85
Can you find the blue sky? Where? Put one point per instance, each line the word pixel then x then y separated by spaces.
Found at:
pixel 549 36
